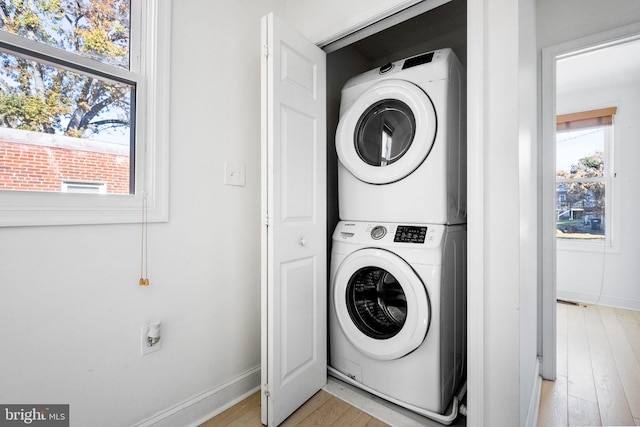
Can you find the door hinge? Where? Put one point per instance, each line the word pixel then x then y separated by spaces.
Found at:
pixel 266 220
pixel 266 390
pixel 266 50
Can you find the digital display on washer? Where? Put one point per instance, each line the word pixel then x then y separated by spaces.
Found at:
pixel 410 234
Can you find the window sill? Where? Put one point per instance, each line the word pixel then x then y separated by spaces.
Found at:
pixel 44 209
pixel 574 245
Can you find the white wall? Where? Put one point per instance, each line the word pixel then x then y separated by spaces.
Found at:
pixel 562 21
pixel 608 276
pixel 529 208
pixel 71 307
pixel 508 216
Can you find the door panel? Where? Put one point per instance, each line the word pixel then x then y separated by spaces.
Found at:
pixel 294 284
pixel 298 166
pixel 296 326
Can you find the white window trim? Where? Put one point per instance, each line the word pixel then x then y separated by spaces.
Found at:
pixel 23 208
pixel 611 213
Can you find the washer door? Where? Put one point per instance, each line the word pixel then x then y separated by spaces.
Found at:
pixel 381 304
pixel 387 133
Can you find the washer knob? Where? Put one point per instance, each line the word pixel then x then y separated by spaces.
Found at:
pixel 378 232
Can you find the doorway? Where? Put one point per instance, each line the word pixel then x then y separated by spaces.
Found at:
pixel 590 90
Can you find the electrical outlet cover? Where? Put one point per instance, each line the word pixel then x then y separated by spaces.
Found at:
pixel 144 346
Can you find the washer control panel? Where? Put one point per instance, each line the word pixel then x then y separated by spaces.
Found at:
pixel 390 234
pixel 410 234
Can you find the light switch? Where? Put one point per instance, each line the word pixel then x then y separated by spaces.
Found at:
pixel 234 174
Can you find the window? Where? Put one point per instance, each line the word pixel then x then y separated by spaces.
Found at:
pixel 583 169
pixel 84 110
pixel 84 187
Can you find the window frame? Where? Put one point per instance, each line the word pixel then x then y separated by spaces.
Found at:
pixel 605 118
pixel 149 64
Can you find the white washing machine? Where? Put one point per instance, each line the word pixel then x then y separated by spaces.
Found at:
pixel 397 312
pixel 401 142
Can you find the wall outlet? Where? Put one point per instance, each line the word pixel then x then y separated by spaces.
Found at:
pixel 144 342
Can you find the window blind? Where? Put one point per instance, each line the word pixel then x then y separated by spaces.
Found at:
pixel 585 119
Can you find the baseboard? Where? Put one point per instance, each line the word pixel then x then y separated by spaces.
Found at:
pixel 624 303
pixel 534 399
pixel 205 406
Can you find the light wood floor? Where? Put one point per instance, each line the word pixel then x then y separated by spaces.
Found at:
pixel 598 380
pixel 323 409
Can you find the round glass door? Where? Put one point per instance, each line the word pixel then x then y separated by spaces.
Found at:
pixel 381 304
pixel 376 302
pixel 385 132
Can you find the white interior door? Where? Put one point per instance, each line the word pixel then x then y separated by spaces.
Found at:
pixel 294 283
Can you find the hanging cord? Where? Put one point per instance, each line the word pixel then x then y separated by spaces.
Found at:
pixel 602 275
pixel 614 175
pixel 604 256
pixel 144 280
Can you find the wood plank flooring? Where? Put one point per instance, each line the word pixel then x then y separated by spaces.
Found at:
pixel 323 409
pixel 598 381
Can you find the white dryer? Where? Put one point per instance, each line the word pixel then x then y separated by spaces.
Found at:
pixel 397 312
pixel 401 142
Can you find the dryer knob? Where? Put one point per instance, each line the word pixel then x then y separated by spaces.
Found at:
pixel 378 232
pixel 386 68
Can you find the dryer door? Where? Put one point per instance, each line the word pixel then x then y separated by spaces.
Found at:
pixel 381 304
pixel 387 133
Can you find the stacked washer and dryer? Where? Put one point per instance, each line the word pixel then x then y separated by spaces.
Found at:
pixel 397 302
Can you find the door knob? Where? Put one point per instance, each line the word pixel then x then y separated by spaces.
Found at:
pixel 303 241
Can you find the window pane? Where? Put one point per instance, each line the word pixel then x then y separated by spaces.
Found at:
pixel 58 126
pixel 580 210
pixel 580 183
pixel 580 153
pixel 98 29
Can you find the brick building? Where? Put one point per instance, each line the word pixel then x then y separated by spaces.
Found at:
pixel 33 161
